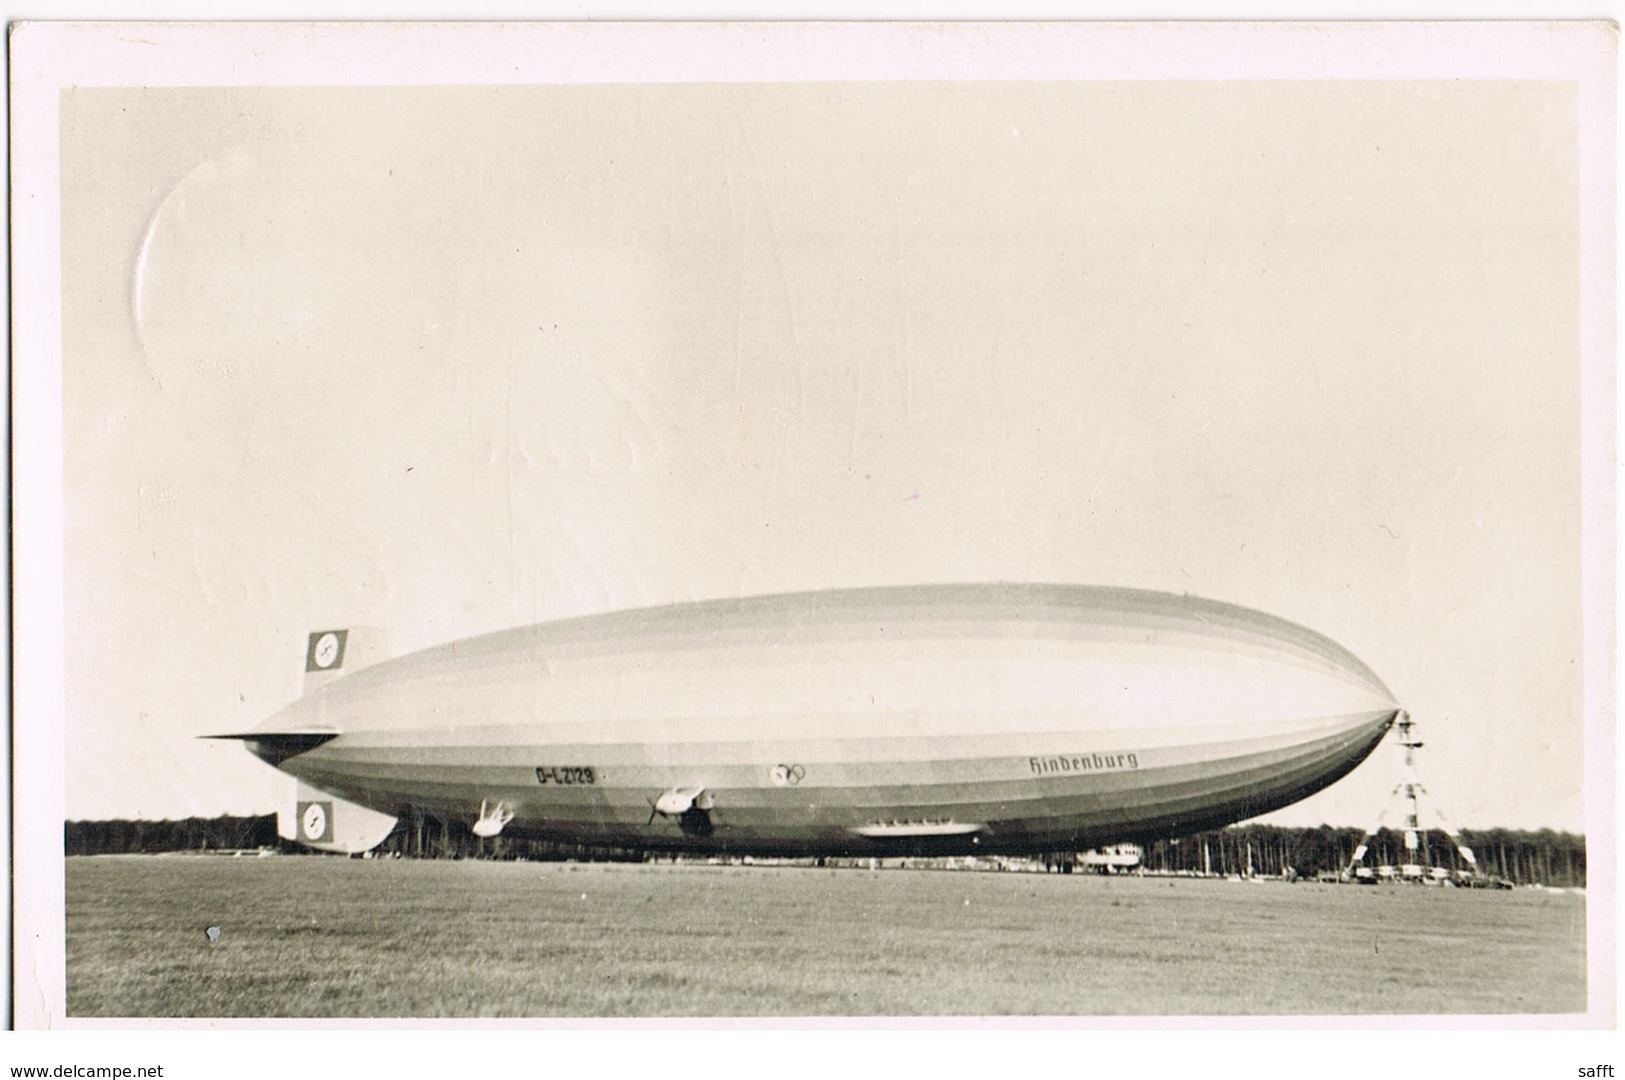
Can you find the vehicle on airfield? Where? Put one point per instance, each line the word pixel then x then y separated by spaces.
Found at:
pixel 929 720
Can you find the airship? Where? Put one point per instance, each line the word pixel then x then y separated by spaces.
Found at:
pixel 939 719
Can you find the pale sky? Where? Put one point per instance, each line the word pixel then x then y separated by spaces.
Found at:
pixel 448 360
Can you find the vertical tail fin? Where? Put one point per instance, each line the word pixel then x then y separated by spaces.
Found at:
pixel 316 818
pixel 332 653
pixel 328 823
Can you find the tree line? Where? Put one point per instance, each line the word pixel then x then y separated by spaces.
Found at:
pixel 127 837
pixel 1521 856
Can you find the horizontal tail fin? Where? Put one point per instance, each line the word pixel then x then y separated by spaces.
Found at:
pixel 275 747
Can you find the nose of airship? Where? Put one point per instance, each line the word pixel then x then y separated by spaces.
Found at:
pixel 1349 676
pixel 1348 685
pixel 1259 670
pixel 1339 681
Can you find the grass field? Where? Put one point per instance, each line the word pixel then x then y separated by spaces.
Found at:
pixel 311 937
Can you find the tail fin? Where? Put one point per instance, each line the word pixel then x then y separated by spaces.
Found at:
pixel 331 653
pixel 328 823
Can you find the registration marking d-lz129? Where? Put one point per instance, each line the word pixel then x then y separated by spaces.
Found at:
pixel 566 774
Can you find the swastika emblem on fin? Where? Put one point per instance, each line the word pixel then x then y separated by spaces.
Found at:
pixel 326 650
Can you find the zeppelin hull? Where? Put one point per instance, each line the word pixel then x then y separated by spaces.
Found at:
pixel 949 719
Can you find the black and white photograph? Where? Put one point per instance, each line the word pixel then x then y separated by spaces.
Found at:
pixel 797 522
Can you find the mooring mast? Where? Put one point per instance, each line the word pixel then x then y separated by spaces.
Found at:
pixel 1409 790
